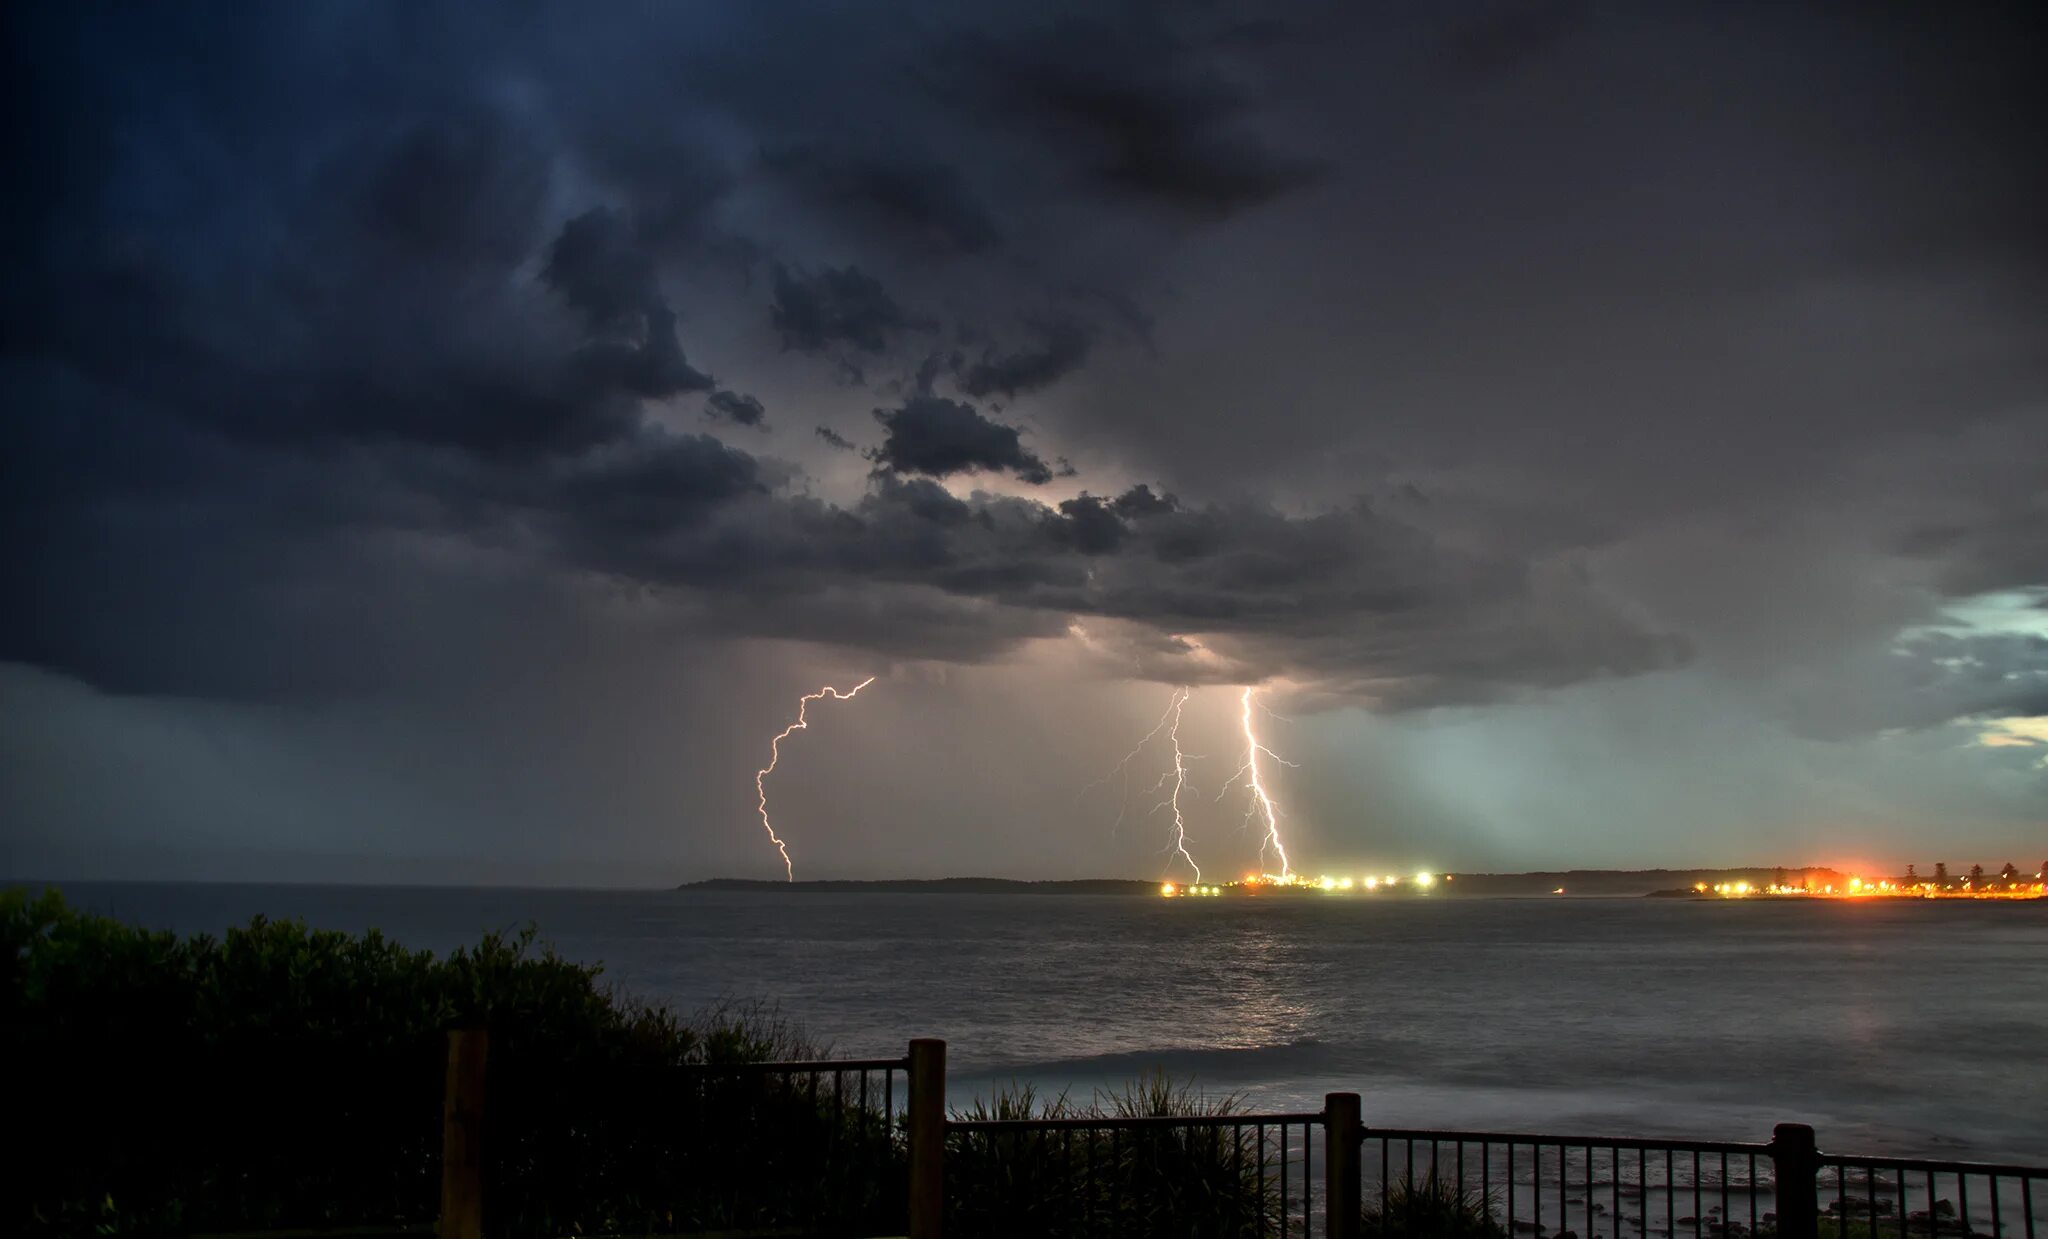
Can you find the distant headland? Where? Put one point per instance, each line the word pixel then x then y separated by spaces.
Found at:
pixel 932 886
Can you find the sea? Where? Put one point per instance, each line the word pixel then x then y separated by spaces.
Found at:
pixel 1900 1027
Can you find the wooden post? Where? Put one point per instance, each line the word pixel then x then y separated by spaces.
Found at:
pixel 1343 1137
pixel 927 1129
pixel 462 1129
pixel 1795 1163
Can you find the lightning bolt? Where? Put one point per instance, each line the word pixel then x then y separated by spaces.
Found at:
pixel 775 755
pixel 1171 714
pixel 1261 804
pixel 1169 723
pixel 1179 775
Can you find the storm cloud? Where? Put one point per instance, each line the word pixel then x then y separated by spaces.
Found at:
pixel 366 362
pixel 939 438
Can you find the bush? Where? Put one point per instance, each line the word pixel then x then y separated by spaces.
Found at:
pixel 1181 1181
pixel 1432 1208
pixel 281 1076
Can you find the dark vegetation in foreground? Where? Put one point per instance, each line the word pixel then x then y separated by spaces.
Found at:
pixel 281 1077
pixel 1199 1182
pixel 287 1077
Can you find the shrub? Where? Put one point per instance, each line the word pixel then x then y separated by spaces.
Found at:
pixel 1432 1208
pixel 1198 1181
pixel 281 1076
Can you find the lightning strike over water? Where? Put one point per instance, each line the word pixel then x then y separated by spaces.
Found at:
pixel 1261 800
pixel 775 755
pixel 1180 782
pixel 1171 714
pixel 1169 723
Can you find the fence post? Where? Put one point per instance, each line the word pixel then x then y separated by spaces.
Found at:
pixel 1343 1136
pixel 1794 1164
pixel 927 1131
pixel 462 1124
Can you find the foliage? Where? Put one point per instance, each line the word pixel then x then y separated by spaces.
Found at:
pixel 1116 1178
pixel 1432 1208
pixel 281 1076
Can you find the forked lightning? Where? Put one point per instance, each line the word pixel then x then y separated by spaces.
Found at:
pixel 775 755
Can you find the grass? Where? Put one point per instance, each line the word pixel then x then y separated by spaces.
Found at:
pixel 1199 1182
pixel 1432 1208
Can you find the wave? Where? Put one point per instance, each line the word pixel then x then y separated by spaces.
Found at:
pixel 1303 1056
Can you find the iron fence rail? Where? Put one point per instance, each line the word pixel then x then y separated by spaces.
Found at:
pixel 1417 1181
pixel 1872 1197
pixel 1622 1188
pixel 1136 1122
pixel 844 1084
pixel 1540 1184
pixel 1528 1183
pixel 834 1146
pixel 1205 1176
pixel 1275 1174
pixel 817 1145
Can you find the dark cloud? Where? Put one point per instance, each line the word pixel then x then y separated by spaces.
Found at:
pixel 938 437
pixel 835 306
pixel 343 358
pixel 1061 347
pixel 926 206
pixel 1092 526
pixel 652 489
pixel 1503 39
pixel 736 407
pixel 1137 106
pixel 1139 502
pixel 597 267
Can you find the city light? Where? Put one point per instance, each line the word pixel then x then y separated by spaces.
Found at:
pixel 1858 887
pixel 1813 884
pixel 1321 884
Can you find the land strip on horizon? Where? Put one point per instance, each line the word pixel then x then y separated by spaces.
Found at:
pixel 1613 882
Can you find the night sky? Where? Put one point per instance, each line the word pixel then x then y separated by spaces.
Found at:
pixel 441 443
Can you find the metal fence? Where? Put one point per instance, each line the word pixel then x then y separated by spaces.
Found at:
pixel 1328 1173
pixel 862 1147
pixel 1550 1185
pixel 1458 1182
pixel 1195 1175
pixel 1879 1196
pixel 816 1146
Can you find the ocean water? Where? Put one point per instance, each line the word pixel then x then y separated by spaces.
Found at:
pixel 1892 1027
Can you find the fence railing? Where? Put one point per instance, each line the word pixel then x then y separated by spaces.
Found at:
pixel 808 1147
pixel 839 1143
pixel 1235 1175
pixel 1549 1185
pixel 1878 1196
